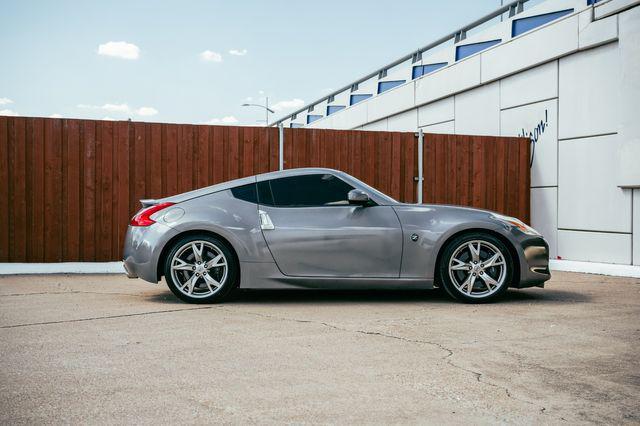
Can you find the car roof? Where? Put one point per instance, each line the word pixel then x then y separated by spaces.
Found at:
pixel 178 198
pixel 296 172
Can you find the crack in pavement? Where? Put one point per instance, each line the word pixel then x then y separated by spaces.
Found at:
pixel 106 317
pixel 447 358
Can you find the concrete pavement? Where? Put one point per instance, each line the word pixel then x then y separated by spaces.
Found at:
pixel 105 349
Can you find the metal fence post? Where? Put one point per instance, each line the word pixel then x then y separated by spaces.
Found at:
pixel 420 165
pixel 280 146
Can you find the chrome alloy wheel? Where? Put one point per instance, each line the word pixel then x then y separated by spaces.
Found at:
pixel 477 268
pixel 199 269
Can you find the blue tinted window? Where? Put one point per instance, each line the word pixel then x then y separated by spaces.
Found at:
pixel 312 118
pixel 519 26
pixel 358 98
pixel 295 125
pixel 383 86
pixel 469 49
pixel 590 2
pixel 420 70
pixel 334 108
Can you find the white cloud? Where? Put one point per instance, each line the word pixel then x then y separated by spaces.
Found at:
pixel 5 101
pixel 284 105
pixel 230 119
pixel 9 112
pixel 123 108
pixel 55 116
pixel 209 56
pixel 107 118
pixel 249 99
pixel 236 52
pixel 146 111
pixel 119 49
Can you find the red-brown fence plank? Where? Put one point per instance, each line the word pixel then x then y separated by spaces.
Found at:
pixel 88 190
pixel 72 178
pixel 37 194
pixel 29 185
pixel 105 186
pixel 18 209
pixel 171 160
pixel 122 183
pixel 202 156
pixel 4 191
pixel 53 225
pixel 153 163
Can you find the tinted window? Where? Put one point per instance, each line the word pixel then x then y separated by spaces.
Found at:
pixel 358 98
pixel 523 25
pixel 420 70
pixel 383 86
pixel 245 193
pixel 334 108
pixel 473 48
pixel 311 118
pixel 309 190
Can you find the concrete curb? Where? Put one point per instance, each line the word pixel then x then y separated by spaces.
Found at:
pixel 62 268
pixel 632 271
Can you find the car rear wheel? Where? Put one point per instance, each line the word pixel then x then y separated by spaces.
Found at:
pixel 201 269
pixel 476 268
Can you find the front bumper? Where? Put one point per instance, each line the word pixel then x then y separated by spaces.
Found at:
pixel 534 261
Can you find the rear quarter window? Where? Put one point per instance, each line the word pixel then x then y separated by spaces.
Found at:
pixel 246 193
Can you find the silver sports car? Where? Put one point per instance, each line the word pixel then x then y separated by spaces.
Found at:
pixel 322 228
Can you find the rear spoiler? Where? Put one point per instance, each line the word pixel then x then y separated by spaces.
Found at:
pixel 148 203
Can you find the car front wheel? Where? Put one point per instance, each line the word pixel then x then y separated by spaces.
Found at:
pixel 476 267
pixel 201 269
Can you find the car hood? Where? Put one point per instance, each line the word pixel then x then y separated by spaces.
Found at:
pixel 431 207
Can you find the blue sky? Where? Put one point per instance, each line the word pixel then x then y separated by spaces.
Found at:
pixel 65 57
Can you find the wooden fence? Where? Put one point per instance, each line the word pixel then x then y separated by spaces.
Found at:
pixel 479 171
pixel 384 160
pixel 68 188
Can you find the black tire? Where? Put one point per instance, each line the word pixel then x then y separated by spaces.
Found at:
pixel 491 293
pixel 209 246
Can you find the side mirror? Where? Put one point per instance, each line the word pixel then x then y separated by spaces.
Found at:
pixel 358 197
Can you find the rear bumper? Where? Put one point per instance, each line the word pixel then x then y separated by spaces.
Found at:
pixel 534 262
pixel 142 250
pixel 129 271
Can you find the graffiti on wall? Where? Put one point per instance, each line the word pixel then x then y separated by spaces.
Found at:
pixel 535 134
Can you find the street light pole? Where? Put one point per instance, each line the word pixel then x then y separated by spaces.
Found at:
pixel 267 110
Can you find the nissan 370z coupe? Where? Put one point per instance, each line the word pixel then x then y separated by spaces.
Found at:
pixel 322 228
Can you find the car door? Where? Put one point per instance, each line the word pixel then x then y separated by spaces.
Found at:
pixel 313 231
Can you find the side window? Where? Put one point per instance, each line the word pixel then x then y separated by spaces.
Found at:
pixel 308 191
pixel 246 193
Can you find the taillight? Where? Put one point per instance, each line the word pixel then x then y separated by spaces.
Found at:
pixel 143 217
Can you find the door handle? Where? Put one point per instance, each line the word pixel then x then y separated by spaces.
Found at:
pixel 265 221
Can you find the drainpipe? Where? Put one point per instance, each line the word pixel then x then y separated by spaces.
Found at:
pixel 280 146
pixel 420 178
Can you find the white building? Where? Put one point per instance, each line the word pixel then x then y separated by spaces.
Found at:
pixel 567 73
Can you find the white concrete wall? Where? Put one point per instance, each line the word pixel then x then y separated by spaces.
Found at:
pixel 468 104
pixel 636 227
pixel 574 85
pixel 629 124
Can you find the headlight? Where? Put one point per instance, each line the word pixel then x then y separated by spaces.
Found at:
pixel 526 229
